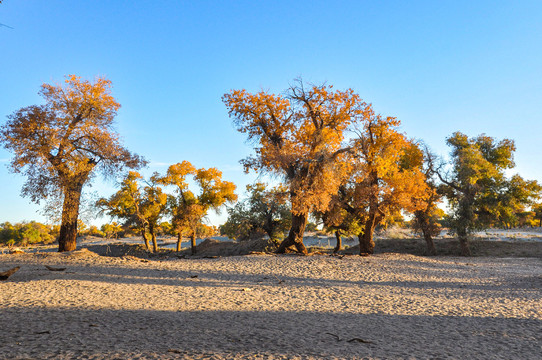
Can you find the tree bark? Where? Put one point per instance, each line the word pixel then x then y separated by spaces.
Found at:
pixel 464 243
pixel 179 241
pixel 366 242
pixel 431 250
pixel 338 246
pixel 295 236
pixel 425 226
pixel 67 240
pixel 193 242
pixel 145 238
pixel 153 238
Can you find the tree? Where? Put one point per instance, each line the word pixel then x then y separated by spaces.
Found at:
pixel 25 233
pixel 537 209
pixel 153 206
pixel 125 205
pixel 188 209
pixel 514 195
pixel 111 230
pixel 142 206
pixel 428 213
pixel 340 217
pixel 476 186
pixel 263 212
pixel 59 146
pixel 387 175
pixel 300 137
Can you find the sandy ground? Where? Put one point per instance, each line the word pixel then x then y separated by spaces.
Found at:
pixel 389 306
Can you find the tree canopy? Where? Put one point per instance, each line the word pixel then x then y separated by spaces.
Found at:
pixel 265 211
pixel 477 187
pixel 301 137
pixel 386 176
pixel 189 208
pixel 58 146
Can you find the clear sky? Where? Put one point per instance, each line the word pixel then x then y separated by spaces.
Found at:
pixel 439 66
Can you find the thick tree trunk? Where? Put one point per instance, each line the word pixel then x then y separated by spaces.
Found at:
pixel 431 250
pixel 295 236
pixel 145 239
pixel 338 246
pixel 366 242
pixel 179 241
pixel 67 240
pixel 424 224
pixel 153 238
pixel 464 243
pixel 193 242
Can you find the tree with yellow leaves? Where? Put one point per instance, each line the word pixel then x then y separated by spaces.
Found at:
pixel 299 136
pixel 142 205
pixel 59 146
pixel 387 175
pixel 188 209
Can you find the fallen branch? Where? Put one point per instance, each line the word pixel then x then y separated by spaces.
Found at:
pixel 351 340
pixel 52 268
pixel 6 274
pixel 359 340
pixel 335 336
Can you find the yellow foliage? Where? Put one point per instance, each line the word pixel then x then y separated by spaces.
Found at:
pixel 299 136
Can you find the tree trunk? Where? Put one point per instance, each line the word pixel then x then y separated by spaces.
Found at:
pixel 338 246
pixel 193 242
pixel 424 223
pixel 67 240
pixel 431 250
pixel 366 242
pixel 295 236
pixel 153 238
pixel 179 241
pixel 145 239
pixel 464 243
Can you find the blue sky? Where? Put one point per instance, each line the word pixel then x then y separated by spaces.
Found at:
pixel 439 66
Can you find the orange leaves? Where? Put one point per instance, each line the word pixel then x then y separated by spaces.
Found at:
pixel 298 135
pixel 387 173
pixel 67 138
pixel 188 209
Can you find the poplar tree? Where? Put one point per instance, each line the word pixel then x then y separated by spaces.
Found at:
pixel 61 145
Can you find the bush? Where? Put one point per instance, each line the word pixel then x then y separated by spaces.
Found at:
pixel 25 233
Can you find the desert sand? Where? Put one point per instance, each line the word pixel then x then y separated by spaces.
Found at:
pixel 388 306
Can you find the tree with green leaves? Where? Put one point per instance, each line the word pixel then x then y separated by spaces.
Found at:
pixel 263 212
pixel 187 208
pixel 61 145
pixel 340 217
pixel 515 195
pixel 476 186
